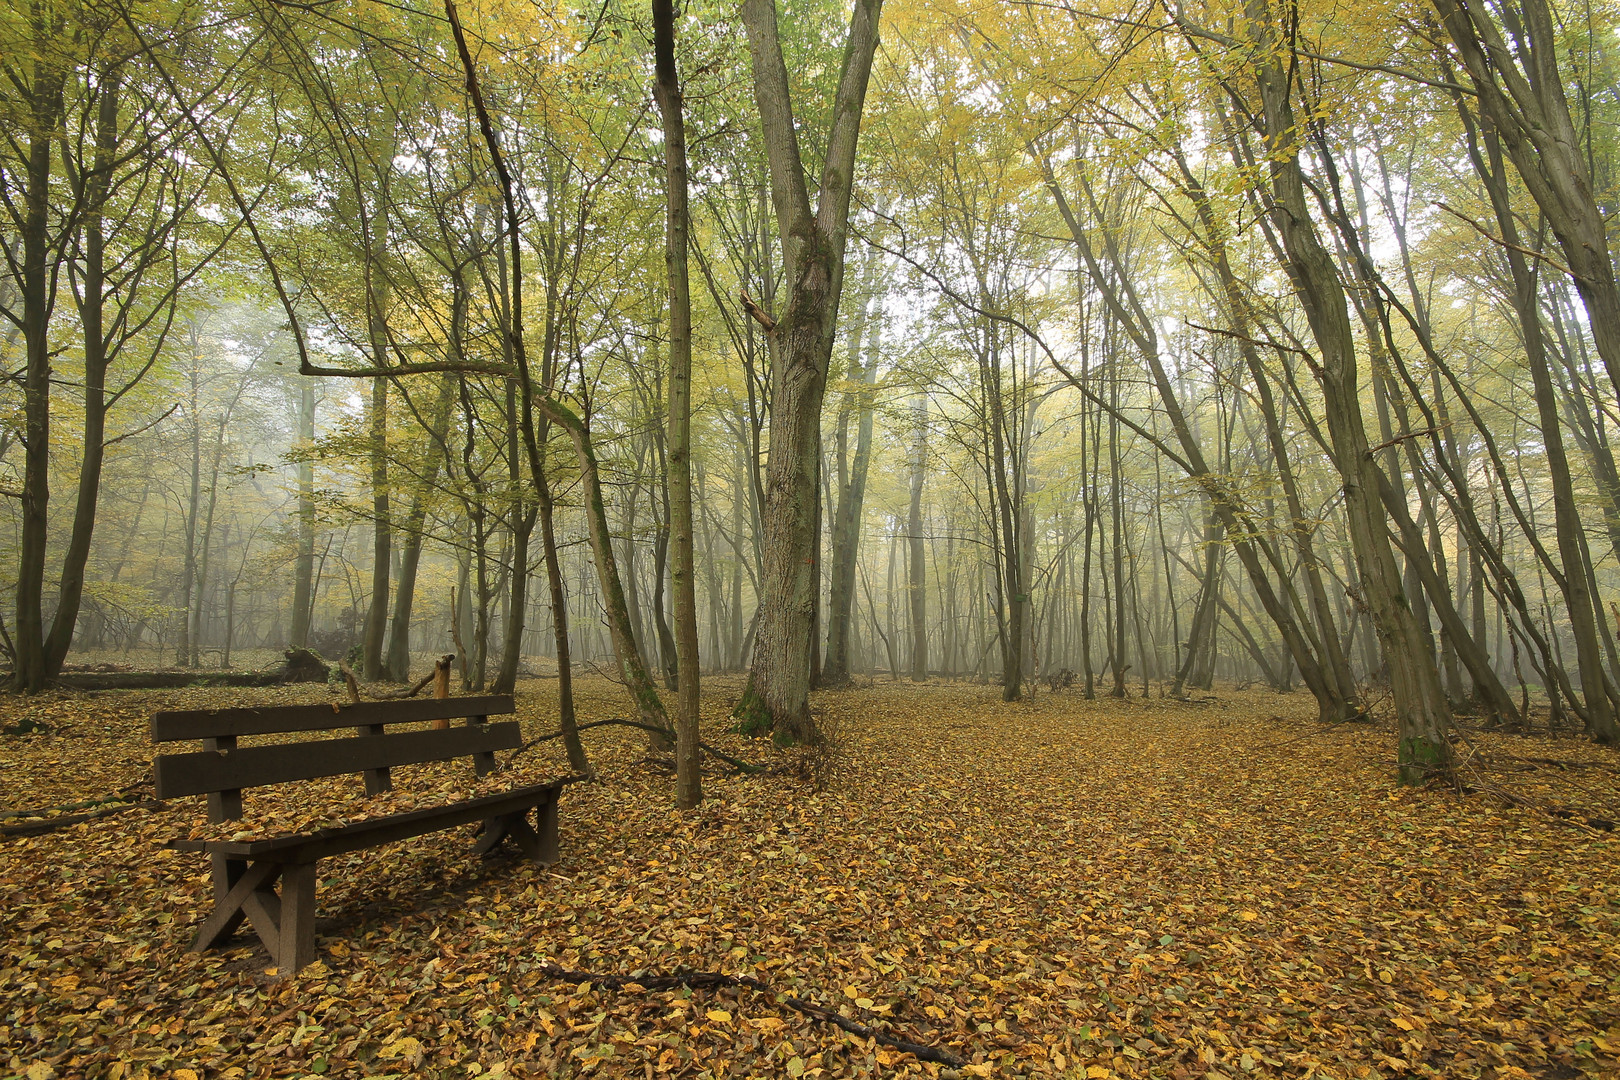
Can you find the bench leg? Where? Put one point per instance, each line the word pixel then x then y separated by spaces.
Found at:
pixel 244 897
pixel 546 819
pixel 494 832
pixel 541 845
pixel 297 928
pixel 227 872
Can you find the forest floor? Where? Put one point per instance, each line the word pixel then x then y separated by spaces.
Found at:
pixel 1059 888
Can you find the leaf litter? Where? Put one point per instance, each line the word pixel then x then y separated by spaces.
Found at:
pixel 1058 888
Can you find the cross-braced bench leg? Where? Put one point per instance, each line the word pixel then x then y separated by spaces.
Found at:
pixel 251 894
pixel 541 845
pixel 285 923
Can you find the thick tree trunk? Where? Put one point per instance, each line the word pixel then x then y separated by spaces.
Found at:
pixel 813 242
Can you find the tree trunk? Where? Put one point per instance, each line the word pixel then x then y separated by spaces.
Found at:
pixel 304 562
pixel 371 657
pixel 777 698
pixel 667 91
pixel 32 671
pixel 846 536
pixel 398 656
pixel 1522 93
pixel 1420 701
pixel 915 569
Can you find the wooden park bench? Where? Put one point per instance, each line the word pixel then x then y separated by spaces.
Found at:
pixel 245 872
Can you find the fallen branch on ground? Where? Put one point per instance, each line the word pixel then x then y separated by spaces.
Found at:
pixel 423 682
pixel 735 763
pixel 711 980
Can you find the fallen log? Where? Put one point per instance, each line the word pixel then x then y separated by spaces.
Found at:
pixel 300 666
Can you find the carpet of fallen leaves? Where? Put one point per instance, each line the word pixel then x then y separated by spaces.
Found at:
pixel 1057 888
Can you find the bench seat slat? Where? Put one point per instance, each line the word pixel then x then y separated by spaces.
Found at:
pixel 277 719
pixel 377 831
pixel 256 766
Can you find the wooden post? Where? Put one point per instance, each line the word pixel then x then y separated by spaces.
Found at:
pixel 441 685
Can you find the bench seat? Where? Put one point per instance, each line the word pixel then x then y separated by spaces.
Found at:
pixel 375 832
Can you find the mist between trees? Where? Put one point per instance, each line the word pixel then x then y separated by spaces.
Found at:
pixel 1124 350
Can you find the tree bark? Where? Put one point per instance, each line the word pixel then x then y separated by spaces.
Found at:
pixel 846 534
pixel 303 604
pixel 777 698
pixel 915 568
pixel 1420 702
pixel 667 92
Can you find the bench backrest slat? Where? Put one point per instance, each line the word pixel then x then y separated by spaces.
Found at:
pixel 278 719
pixel 255 766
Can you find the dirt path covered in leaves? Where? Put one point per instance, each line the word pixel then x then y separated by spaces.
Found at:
pixel 1066 888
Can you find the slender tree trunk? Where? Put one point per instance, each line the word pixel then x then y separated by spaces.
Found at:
pixel 1521 91
pixel 846 536
pixel 32 670
pixel 667 91
pixel 398 666
pixel 303 605
pixel 371 657
pixel 92 319
pixel 915 569
pixel 1579 601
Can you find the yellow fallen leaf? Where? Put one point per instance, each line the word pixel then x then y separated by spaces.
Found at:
pixel 407 1047
pixel 719 1016
pixel 1248 916
pixel 1403 1023
pixel 1097 1072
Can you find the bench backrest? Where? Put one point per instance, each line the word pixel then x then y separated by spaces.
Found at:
pixel 222 769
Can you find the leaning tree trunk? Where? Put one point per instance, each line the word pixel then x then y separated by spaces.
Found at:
pixel 1579 600
pixel 1419 698
pixel 1521 92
